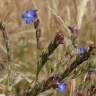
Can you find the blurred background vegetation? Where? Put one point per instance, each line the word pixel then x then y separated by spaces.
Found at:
pixel 54 16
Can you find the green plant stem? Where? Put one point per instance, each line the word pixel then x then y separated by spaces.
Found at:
pixel 38 49
pixel 45 55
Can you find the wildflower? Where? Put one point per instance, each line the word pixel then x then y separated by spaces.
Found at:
pixel 29 16
pixel 61 87
pixel 59 39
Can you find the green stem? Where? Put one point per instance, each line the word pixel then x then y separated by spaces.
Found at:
pixel 38 49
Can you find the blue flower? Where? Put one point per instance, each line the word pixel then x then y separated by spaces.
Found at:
pixel 29 16
pixel 61 87
pixel 82 50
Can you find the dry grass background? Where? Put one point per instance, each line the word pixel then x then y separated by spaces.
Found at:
pixel 54 16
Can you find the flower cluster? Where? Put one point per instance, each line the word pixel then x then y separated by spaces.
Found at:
pixel 31 16
pixel 56 80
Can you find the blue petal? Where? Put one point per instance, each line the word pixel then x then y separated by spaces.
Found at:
pixel 23 16
pixel 33 19
pixel 27 21
pixel 34 12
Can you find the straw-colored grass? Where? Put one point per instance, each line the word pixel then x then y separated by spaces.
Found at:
pixel 55 16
